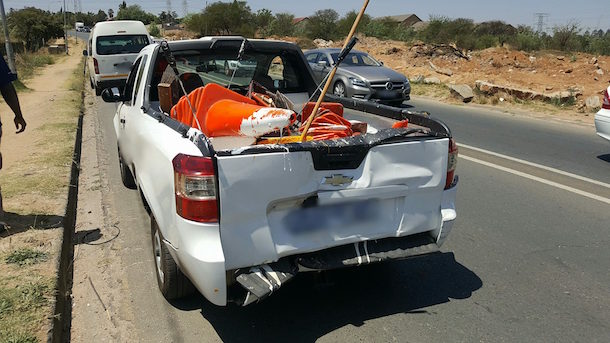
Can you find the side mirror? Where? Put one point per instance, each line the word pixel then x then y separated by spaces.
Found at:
pixel 85 53
pixel 112 95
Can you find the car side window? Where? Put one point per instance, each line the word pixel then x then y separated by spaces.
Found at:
pixel 131 80
pixel 311 58
pixel 324 58
pixel 139 79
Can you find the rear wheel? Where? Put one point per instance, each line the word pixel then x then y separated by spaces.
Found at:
pixel 339 89
pixel 172 282
pixel 126 176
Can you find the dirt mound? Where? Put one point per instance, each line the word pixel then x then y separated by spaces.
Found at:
pixel 544 72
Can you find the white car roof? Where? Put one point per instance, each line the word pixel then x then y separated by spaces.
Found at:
pixel 119 27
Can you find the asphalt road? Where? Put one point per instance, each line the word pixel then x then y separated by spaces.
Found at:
pixel 526 261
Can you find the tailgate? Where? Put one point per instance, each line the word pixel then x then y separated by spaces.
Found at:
pixel 277 204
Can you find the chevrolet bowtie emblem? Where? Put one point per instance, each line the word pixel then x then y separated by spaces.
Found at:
pixel 338 180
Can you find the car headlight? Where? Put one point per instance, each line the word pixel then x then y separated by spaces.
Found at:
pixel 357 82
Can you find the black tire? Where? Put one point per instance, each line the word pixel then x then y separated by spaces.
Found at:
pixel 126 176
pixel 337 89
pixel 173 284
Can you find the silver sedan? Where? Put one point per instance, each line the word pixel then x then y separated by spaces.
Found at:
pixel 360 76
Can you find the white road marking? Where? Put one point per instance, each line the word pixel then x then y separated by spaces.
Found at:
pixel 538 179
pixel 556 171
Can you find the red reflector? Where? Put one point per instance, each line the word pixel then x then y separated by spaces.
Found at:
pixel 606 103
pixel 203 211
pixel 96 66
pixel 451 162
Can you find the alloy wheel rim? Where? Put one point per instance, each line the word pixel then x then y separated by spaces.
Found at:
pixel 339 89
pixel 157 252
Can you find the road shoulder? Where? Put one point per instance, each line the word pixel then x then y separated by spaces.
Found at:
pixel 100 308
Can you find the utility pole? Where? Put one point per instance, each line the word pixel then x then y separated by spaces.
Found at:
pixel 65 30
pixel 206 19
pixel 7 41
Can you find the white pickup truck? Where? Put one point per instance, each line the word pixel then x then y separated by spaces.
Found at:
pixel 238 220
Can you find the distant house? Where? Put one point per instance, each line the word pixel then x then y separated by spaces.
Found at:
pixel 300 20
pixel 407 20
pixel 300 25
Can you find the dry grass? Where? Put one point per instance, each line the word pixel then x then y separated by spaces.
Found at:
pixel 437 91
pixel 37 184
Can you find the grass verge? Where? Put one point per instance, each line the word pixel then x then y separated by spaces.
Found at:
pixel 38 184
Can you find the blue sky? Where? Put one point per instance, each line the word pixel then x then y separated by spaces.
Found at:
pixel 589 13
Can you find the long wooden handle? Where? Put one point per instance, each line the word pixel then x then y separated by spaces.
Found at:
pixel 314 112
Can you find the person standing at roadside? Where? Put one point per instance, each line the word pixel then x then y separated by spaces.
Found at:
pixel 10 96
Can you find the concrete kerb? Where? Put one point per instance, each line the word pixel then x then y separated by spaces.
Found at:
pixel 62 314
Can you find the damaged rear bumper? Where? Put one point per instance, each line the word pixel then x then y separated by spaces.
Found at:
pixel 261 281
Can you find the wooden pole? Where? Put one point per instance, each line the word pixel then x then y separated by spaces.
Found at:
pixel 314 113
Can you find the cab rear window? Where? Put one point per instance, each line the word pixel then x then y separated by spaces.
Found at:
pixel 120 44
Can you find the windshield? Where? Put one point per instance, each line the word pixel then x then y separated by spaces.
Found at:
pixel 275 71
pixel 120 44
pixel 357 59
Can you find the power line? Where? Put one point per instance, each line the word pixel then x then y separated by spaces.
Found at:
pixel 539 20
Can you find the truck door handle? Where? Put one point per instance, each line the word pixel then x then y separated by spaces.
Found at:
pixel 122 121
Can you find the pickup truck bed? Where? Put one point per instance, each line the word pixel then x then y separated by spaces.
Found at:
pixel 238 221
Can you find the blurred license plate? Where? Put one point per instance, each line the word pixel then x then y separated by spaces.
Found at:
pixel 332 217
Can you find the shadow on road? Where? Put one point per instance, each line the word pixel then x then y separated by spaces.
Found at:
pixel 23 222
pixel 307 309
pixel 605 158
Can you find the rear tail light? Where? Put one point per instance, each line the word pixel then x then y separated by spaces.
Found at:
pixel 451 162
pixel 606 103
pixel 195 187
pixel 96 66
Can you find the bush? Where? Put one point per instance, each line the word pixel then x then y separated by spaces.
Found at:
pixel 486 41
pixel 154 31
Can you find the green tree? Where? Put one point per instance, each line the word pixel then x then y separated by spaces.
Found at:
pixel 135 12
pixel 197 23
pixel 323 24
pixel 100 16
pixel 230 18
pixel 33 26
pixel 122 6
pixel 565 37
pixel 344 25
pixel 263 19
pixel 282 25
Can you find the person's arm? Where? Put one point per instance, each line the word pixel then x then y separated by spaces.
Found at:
pixel 10 96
